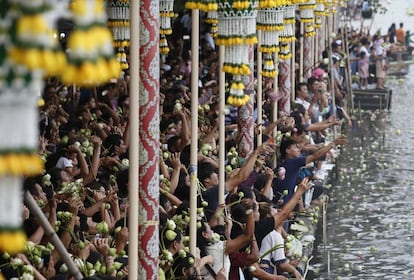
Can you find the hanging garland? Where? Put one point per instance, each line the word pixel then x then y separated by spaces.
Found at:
pixel 237 31
pixel 310 30
pixel 20 81
pixel 91 59
pixel 166 13
pixel 288 34
pixel 118 23
pixel 37 45
pixel 270 23
pixel 306 11
pixel 319 13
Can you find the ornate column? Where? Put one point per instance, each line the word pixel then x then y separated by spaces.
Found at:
pixel 245 124
pixel 149 139
pixel 308 21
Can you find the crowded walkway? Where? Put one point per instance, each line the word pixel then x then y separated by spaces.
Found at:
pixel 85 140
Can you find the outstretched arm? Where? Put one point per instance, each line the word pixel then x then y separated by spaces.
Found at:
pixel 243 173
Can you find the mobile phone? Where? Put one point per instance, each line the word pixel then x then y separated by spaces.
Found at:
pixel 186 37
pixel 46 258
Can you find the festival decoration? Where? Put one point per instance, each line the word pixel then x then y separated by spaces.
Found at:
pixel 306 11
pixel 90 49
pixel 118 23
pixel 166 13
pixel 270 23
pixel 237 31
pixel 37 43
pixel 19 90
pixel 307 17
pixel 288 34
pixel 319 13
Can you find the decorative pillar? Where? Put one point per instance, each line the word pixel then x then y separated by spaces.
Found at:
pixel 286 37
pixel 246 121
pixel 308 21
pixel 319 25
pixel 149 140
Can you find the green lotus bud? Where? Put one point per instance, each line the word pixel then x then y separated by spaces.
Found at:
pixel 170 235
pixel 117 229
pixel 182 253
pixel 111 269
pixel 112 252
pixel 117 265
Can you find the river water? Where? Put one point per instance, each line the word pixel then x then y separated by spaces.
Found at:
pixel 370 231
pixel 370 215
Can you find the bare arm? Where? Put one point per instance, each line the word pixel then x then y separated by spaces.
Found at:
pixel 233 245
pixel 176 164
pixel 284 212
pixel 319 153
pixel 243 173
pixel 97 142
pixel 185 132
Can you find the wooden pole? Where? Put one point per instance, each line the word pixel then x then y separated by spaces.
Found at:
pixel 222 127
pixel 54 238
pixel 195 18
pixel 133 184
pixel 301 57
pixel 259 101
pixel 292 71
pixel 275 103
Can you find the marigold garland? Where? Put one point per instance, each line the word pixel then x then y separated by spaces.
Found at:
pixel 12 242
pixel 269 69
pixel 119 24
pixel 20 164
pixel 37 45
pixel 91 59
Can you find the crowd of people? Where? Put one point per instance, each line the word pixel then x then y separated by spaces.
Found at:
pixel 84 140
pixel 370 55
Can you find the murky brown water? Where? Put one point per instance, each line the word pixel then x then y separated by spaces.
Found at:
pixel 370 231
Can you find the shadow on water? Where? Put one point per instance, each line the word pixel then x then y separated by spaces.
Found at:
pixel 371 209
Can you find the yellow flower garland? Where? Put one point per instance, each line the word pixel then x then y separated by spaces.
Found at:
pixel 238 101
pixel 12 242
pixel 21 164
pixel 269 49
pixel 242 69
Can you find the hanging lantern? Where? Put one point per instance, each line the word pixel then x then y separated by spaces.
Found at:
pixel 118 23
pixel 270 23
pixel 237 31
pixel 288 34
pixel 90 49
pixel 37 42
pixel 19 90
